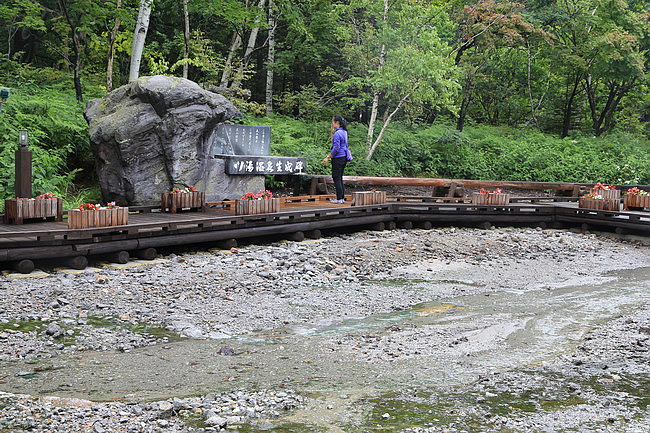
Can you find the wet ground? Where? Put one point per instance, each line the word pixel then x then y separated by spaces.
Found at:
pixel 513 345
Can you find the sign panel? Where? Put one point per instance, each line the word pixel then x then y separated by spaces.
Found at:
pixel 264 165
pixel 241 140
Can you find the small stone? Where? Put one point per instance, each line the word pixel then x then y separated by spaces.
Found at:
pixel 226 351
pixel 216 421
pixel 386 416
pixel 165 406
pixel 192 332
pixel 137 410
pixel 54 330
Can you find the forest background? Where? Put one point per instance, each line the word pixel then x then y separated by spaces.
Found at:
pixel 539 90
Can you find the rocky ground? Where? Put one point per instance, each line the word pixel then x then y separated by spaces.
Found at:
pixel 601 387
pixel 209 294
pixel 206 413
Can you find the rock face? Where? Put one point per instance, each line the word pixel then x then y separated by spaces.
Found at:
pixel 156 133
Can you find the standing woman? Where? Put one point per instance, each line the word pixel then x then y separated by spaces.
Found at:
pixel 340 155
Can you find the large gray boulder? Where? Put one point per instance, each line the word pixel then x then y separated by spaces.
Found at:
pixel 156 133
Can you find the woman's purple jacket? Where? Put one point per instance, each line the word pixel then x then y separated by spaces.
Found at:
pixel 339 143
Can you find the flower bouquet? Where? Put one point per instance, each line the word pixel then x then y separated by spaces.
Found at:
pixel 609 192
pixel 487 197
pixel 182 198
pixel 262 202
pixel 44 206
pixel 636 198
pixel 90 215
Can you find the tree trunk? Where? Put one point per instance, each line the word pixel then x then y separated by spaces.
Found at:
pixel 186 52
pixel 533 111
pixel 609 115
pixel 374 109
pixel 111 50
pixel 462 114
pixel 252 38
pixel 10 35
pixel 270 60
pixel 76 47
pixel 139 36
pixel 372 149
pixel 77 79
pixel 568 108
pixel 468 90
pixel 603 122
pixel 375 96
pixel 227 70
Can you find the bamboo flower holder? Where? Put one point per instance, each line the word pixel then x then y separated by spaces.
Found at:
pixel 173 202
pixel 253 207
pixel 16 211
pixel 636 201
pixel 609 194
pixel 599 204
pixel 84 219
pixel 364 198
pixel 499 199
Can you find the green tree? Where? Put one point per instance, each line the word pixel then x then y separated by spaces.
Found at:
pixel 599 55
pixel 20 14
pixel 487 31
pixel 615 59
pixel 73 21
pixel 397 57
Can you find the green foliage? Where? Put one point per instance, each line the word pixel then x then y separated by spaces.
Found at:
pixel 482 152
pixel 58 134
pixel 569 68
pixel 75 196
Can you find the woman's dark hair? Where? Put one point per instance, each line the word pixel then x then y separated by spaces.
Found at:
pixel 342 122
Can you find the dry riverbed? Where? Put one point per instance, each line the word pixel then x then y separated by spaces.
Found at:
pixel 420 331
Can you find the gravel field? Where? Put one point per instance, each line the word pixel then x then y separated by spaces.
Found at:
pixel 314 289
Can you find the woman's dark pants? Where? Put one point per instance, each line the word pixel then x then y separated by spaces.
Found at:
pixel 338 165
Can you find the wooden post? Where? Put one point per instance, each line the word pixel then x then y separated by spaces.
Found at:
pixel 452 189
pixel 405 225
pixel 313 234
pixel 77 262
pixel 313 186
pixel 23 172
pixel 426 225
pixel 121 257
pixel 146 254
pixel 24 266
pixel 296 236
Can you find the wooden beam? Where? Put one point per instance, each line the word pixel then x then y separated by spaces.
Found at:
pixel 467 183
pixel 429 182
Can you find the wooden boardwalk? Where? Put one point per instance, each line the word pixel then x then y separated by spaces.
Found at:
pixel 299 216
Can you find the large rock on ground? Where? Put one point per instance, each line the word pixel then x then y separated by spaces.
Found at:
pixel 156 133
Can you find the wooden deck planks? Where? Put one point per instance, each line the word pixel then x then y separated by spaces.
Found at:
pixel 311 211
